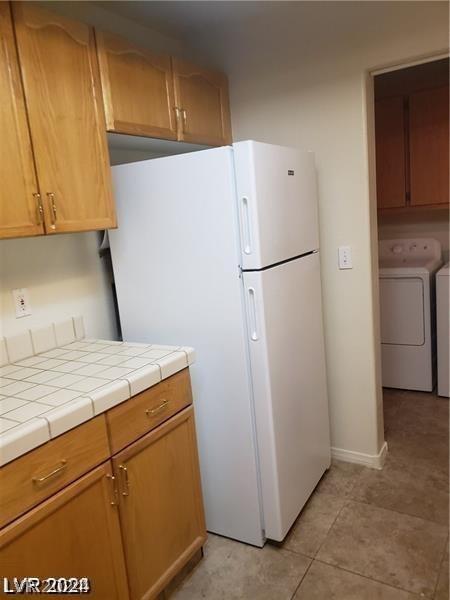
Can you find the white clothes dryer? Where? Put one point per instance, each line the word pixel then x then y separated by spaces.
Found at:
pixel 407 270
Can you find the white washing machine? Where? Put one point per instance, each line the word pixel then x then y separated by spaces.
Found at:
pixel 443 330
pixel 407 270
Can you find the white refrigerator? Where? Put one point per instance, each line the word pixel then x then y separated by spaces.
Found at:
pixel 219 250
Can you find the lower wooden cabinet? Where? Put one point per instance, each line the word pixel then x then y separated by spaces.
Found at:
pixel 130 525
pixel 161 507
pixel 75 533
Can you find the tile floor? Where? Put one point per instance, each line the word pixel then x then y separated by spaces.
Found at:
pixel 364 534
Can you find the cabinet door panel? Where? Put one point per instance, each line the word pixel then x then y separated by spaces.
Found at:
pixel 73 534
pixel 60 74
pixel 390 152
pixel 19 205
pixel 162 511
pixel 203 95
pixel 137 88
pixel 429 140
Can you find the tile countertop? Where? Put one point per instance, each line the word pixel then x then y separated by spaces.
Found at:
pixel 49 392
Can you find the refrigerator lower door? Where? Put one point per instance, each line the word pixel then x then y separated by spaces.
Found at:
pixel 284 316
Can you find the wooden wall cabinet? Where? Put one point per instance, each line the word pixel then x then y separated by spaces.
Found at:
pixel 137 88
pixel 60 180
pixel 76 533
pixel 390 144
pixel 201 96
pixel 161 508
pixel 158 96
pixel 59 69
pixel 20 201
pixel 412 137
pixel 428 144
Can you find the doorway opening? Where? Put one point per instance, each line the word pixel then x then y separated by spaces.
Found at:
pixel 412 182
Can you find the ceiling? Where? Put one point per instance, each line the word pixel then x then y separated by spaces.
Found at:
pixel 184 18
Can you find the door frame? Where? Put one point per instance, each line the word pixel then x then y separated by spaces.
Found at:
pixel 369 122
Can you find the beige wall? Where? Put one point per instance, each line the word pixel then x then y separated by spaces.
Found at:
pixel 298 77
pixel 64 274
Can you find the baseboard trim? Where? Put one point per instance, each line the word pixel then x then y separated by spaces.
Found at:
pixel 375 461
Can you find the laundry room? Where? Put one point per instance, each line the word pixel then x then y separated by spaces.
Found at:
pixel 411 139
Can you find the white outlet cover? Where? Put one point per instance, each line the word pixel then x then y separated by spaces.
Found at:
pixel 345 257
pixel 21 302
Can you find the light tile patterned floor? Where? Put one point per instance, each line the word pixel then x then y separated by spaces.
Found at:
pixel 364 534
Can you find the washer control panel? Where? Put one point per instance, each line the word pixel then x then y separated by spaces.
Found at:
pixel 417 248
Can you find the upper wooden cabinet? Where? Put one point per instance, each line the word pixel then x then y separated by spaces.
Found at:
pixel 137 88
pixel 158 96
pixel 201 96
pixel 59 68
pixel 429 141
pixel 390 146
pixel 412 137
pixel 19 196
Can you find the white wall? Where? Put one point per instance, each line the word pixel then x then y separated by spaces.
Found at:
pixel 64 274
pixel 298 77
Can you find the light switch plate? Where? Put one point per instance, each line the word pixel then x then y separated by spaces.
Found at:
pixel 21 302
pixel 345 257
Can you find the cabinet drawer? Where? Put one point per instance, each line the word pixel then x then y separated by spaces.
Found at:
pixel 37 475
pixel 134 418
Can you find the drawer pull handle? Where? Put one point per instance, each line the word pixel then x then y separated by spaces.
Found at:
pixel 52 201
pixel 54 473
pixel 153 411
pixel 125 482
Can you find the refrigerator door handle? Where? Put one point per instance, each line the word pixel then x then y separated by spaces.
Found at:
pixel 252 314
pixel 246 232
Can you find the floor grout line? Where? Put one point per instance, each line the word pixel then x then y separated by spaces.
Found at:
pixel 302 579
pixel 441 564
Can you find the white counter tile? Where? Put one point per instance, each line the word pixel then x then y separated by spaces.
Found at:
pixel 90 369
pixel 35 393
pixel 3 353
pixel 26 412
pixel 10 403
pixel 109 395
pixel 141 379
pixel 15 387
pixel 174 362
pixel 78 327
pixel 51 363
pixel 69 415
pixel 87 384
pixel 66 380
pixel 43 339
pixel 113 360
pixel 19 346
pixel 43 377
pixel 6 424
pixel 31 361
pixel 53 353
pixel 22 438
pixel 23 373
pixel 58 397
pixel 115 373
pixel 69 366
pixel 7 369
pixel 92 357
pixel 64 332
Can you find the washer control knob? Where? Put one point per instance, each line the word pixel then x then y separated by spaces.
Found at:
pixel 397 249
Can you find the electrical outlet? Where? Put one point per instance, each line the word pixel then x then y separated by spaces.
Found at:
pixel 345 257
pixel 21 302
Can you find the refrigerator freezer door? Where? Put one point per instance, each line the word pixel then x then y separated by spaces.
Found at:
pixel 277 199
pixel 175 257
pixel 290 396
